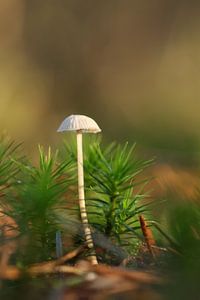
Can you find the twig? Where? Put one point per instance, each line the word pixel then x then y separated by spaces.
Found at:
pixel 147 235
pixel 70 255
pixel 55 266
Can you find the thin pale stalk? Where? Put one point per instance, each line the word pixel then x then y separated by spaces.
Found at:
pixel 82 205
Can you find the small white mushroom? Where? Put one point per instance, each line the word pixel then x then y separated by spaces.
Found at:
pixel 82 124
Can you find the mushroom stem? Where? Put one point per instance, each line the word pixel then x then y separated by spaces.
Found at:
pixel 82 205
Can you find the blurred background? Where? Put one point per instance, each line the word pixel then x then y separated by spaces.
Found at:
pixel 133 66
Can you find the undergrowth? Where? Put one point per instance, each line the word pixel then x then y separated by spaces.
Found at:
pixel 39 203
pixel 42 200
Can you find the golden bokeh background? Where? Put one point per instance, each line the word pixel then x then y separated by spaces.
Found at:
pixel 133 66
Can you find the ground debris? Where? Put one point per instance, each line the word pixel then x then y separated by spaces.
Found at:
pixel 85 281
pixel 105 282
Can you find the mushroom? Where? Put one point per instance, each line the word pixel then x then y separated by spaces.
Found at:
pixel 82 124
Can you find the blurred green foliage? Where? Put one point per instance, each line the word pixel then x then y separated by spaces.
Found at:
pixel 42 200
pixel 115 190
pixel 131 65
pixel 35 202
pixel 184 267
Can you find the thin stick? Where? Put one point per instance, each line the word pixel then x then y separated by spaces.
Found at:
pixel 54 266
pixel 59 249
pixel 14 273
pixel 82 205
pixel 147 235
pixel 69 255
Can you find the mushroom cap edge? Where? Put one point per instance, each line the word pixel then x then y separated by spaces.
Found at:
pixel 79 122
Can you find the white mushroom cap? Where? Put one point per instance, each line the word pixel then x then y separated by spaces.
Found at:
pixel 79 122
